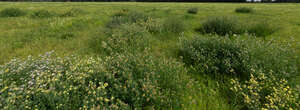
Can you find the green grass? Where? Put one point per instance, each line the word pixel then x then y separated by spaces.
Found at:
pixel 67 35
pixel 15 31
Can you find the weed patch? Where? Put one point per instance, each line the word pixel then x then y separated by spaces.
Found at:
pixel 261 29
pixel 12 12
pixel 244 10
pixel 220 26
pixel 122 81
pixel 42 14
pixel 193 10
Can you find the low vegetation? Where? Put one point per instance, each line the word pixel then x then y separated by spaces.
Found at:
pixel 150 56
pixel 12 12
pixel 72 12
pixel 265 91
pixel 220 26
pixel 244 10
pixel 192 10
pixel 122 81
pixel 261 29
pixel 42 14
pixel 173 25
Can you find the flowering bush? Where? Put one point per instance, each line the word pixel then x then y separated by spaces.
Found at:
pixel 266 92
pixel 121 81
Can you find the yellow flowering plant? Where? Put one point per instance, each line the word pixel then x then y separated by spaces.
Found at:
pixel 121 81
pixel 266 92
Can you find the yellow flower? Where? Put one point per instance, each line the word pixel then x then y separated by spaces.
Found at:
pixel 264 109
pixel 105 84
pixel 7 70
pixel 106 100
pixel 4 89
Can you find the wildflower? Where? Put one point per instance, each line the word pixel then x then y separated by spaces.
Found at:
pixel 105 84
pixel 106 100
pixel 7 70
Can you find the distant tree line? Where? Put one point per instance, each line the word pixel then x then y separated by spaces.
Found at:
pixel 276 1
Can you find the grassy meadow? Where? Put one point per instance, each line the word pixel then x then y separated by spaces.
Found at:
pixel 127 55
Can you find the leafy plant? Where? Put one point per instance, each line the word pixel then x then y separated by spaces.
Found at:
pixel 261 29
pixel 265 91
pixel 215 55
pixel 12 12
pixel 220 26
pixel 193 10
pixel 42 14
pixel 121 81
pixel 238 56
pixel 126 38
pixel 244 10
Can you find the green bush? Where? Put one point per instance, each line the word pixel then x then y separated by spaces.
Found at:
pixel 174 25
pixel 238 56
pixel 126 38
pixel 121 81
pixel 192 10
pixel 220 26
pixel 261 29
pixel 42 14
pixel 216 55
pixel 12 12
pixel 131 17
pixel 72 12
pixel 265 92
pixel 243 10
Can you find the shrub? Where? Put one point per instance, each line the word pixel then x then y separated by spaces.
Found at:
pixel 174 25
pixel 243 10
pixel 193 10
pixel 121 81
pixel 72 12
pixel 126 38
pixel 215 55
pixel 238 56
pixel 42 14
pixel 67 35
pixel 265 92
pixel 12 12
pixel 261 29
pixel 220 25
pixel 131 17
